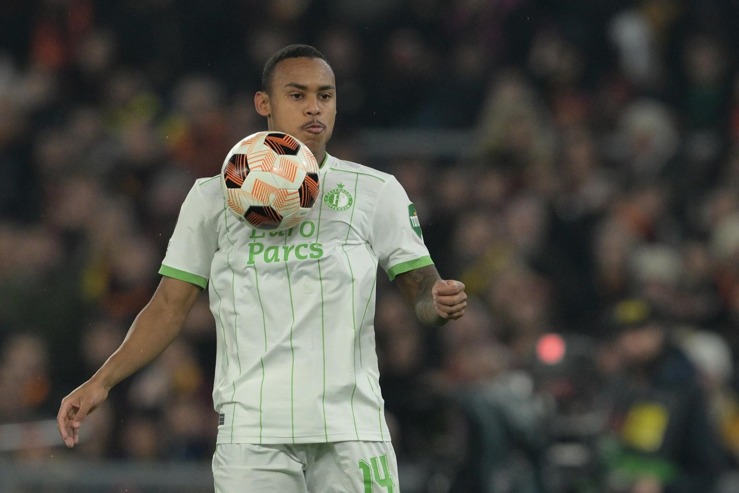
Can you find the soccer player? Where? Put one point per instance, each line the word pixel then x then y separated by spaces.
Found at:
pixel 296 379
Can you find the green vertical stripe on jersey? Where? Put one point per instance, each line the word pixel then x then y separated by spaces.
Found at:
pixel 359 344
pixel 292 349
pixel 223 329
pixel 235 325
pixel 379 398
pixel 323 351
pixel 323 313
pixel 236 340
pixel 261 358
pixel 351 271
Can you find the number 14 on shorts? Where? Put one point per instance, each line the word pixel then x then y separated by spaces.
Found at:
pixel 376 471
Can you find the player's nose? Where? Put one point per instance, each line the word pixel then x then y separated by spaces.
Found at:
pixel 312 107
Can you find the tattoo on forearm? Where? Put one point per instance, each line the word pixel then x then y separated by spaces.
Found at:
pixel 417 285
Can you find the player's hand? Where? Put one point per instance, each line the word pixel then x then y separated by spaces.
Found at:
pixel 75 407
pixel 449 298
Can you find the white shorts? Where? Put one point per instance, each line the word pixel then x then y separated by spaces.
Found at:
pixel 342 467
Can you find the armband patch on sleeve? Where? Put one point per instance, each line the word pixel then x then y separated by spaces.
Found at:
pixel 415 222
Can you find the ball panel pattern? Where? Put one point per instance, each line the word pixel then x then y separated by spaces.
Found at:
pixel 263 217
pixel 233 199
pixel 261 160
pixel 282 144
pixel 308 190
pixel 262 189
pixel 285 168
pixel 236 171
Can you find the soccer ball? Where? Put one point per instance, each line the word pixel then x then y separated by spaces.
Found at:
pixel 270 180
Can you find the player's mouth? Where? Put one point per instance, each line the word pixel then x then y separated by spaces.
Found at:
pixel 314 127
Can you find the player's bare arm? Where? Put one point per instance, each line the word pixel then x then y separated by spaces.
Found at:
pixel 434 299
pixel 156 326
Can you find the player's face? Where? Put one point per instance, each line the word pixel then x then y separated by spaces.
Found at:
pixel 301 102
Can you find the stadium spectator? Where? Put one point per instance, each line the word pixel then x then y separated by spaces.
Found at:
pixel 661 435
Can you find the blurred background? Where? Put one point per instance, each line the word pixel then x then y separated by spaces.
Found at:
pixel 563 155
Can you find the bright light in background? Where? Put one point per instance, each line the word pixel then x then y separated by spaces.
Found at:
pixel 551 348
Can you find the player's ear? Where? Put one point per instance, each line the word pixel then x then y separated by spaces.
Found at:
pixel 261 103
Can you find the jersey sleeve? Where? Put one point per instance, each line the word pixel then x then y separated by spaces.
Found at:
pixel 396 232
pixel 193 242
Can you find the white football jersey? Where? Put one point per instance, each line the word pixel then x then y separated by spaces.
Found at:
pixel 294 310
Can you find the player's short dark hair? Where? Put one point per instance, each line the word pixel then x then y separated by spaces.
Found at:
pixel 290 51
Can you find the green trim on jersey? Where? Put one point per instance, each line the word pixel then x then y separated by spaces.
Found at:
pixel 358 173
pixel 323 348
pixel 201 282
pixel 355 327
pixel 410 265
pixel 261 357
pixel 292 348
pixel 323 312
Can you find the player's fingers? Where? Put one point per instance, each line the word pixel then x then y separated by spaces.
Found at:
pixel 75 408
pixel 64 422
pixel 448 287
pixel 452 303
pixel 456 314
pixel 450 299
pixel 76 432
pixel 81 413
pixel 451 311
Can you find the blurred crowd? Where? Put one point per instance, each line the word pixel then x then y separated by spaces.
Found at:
pixel 602 165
